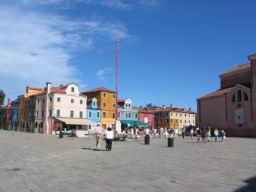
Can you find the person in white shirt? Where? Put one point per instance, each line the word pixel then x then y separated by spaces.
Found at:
pixel 161 132
pixel 109 138
pixel 147 131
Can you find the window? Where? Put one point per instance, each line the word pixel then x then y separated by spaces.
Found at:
pixel 149 117
pixel 104 95
pixel 58 113
pixel 50 99
pixel 81 114
pixel 114 105
pixel 239 96
pixel 37 100
pixel 42 114
pixel 233 99
pixel 114 95
pixel 58 99
pixel 36 113
pixel 72 100
pixel 90 114
pixel 136 115
pixel 43 100
pixel 72 89
pixel 98 114
pixel 245 96
pixel 71 113
pixel 104 104
pixel 113 115
pixel 81 101
pixel 104 114
pixel 50 113
pixel 118 114
pixel 180 121
pixel 181 114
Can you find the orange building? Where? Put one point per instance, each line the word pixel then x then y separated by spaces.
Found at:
pixel 106 99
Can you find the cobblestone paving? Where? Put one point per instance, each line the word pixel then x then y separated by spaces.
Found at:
pixel 34 162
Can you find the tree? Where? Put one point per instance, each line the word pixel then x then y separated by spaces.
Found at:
pixel 2 97
pixel 151 106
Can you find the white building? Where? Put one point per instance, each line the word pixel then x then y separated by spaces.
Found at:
pixel 185 118
pixel 61 107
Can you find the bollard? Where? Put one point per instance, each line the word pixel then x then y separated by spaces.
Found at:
pixel 170 142
pixel 147 140
pixel 60 135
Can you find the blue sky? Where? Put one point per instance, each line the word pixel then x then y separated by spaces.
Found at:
pixel 171 51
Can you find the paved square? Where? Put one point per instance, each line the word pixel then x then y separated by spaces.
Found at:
pixel 34 162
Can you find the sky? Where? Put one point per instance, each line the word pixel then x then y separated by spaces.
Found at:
pixel 170 51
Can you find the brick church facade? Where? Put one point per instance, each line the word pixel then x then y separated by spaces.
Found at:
pixel 233 106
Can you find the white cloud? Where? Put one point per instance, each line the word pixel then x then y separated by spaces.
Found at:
pixel 102 74
pixel 35 48
pixel 115 4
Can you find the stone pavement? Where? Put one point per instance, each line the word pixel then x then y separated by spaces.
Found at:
pixel 34 162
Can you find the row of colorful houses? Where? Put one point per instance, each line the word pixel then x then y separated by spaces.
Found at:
pixel 49 109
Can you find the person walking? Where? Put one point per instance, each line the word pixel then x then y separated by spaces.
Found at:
pixel 191 133
pixel 204 135
pixel 161 132
pixel 209 135
pixel 98 134
pixel 216 134
pixel 183 132
pixel 222 134
pixel 109 138
pixel 166 133
pixel 198 134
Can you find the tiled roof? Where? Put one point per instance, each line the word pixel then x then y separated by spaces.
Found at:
pixel 167 110
pixel 217 93
pixel 60 90
pixel 238 68
pixel 99 89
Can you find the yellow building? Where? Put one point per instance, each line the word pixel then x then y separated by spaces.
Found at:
pixel 24 116
pixel 106 99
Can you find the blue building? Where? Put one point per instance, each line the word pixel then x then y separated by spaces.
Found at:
pixel 93 113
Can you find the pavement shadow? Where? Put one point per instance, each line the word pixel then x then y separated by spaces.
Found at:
pixel 250 187
pixel 92 149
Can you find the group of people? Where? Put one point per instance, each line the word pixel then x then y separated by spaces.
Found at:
pixel 202 134
pixel 107 134
pixel 205 134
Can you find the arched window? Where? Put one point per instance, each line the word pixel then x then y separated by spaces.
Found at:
pixel 239 96
pixel 245 96
pixel 233 99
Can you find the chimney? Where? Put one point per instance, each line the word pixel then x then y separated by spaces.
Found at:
pixel 164 106
pixel 48 87
pixel 171 106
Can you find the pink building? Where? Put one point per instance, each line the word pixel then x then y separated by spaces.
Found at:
pixel 147 116
pixel 233 106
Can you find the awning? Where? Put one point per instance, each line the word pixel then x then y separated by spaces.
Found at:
pixel 76 121
pixel 141 124
pixel 131 123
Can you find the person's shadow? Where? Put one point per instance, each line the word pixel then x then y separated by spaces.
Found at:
pixel 92 149
pixel 250 187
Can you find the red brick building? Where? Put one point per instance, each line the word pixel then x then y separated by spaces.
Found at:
pixel 233 106
pixel 147 116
